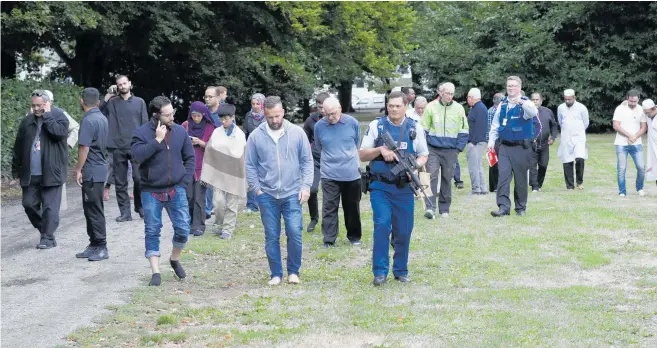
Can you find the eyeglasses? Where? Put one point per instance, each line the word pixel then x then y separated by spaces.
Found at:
pixel 38 94
pixel 209 96
pixel 169 115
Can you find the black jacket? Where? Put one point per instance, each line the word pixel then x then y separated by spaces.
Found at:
pixel 309 129
pixel 549 127
pixel 54 151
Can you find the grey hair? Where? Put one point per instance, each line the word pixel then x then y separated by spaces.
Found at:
pixel 50 95
pixel 258 97
pixel 420 100
pixel 43 94
pixel 332 101
pixel 272 101
pixel 448 85
pixel 498 97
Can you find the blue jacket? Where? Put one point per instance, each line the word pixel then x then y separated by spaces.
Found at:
pixel 282 169
pixel 163 165
pixel 478 123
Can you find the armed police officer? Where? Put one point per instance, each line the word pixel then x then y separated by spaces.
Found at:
pixel 513 124
pixel 391 195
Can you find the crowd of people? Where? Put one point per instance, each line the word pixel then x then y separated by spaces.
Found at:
pixel 207 165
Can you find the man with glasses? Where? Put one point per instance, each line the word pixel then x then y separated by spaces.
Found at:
pixel 309 129
pixel 40 161
pixel 541 146
pixel 167 163
pixel 214 97
pixel 513 125
pixel 125 113
pixel 447 131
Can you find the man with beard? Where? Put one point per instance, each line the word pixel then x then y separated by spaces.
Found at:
pixel 650 110
pixel 309 128
pixel 279 169
pixel 167 162
pixel 573 118
pixel 125 113
pixel 40 161
pixel 214 97
pixel 630 124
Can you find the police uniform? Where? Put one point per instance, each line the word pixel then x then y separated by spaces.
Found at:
pixel 514 125
pixel 392 197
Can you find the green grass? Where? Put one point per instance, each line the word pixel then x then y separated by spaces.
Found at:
pixel 580 269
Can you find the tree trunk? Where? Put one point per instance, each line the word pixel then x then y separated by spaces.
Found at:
pixel 8 65
pixel 306 108
pixel 344 92
pixel 87 67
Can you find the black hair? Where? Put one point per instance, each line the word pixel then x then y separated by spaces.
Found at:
pixel 226 110
pixel 398 94
pixel 157 104
pixel 633 93
pixel 90 97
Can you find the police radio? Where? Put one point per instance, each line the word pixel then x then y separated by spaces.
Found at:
pixel 406 164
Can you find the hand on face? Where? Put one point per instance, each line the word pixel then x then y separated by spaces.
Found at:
pixel 160 131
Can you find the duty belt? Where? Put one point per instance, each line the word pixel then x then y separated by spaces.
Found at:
pixel 513 142
pixel 400 181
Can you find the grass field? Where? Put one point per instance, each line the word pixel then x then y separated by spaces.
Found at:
pixel 579 270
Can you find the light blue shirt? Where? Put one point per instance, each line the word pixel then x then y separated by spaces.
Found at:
pixel 338 144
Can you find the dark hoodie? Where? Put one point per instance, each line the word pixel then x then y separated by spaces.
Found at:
pixel 163 165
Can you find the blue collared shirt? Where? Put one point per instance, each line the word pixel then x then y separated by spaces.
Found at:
pixel 338 145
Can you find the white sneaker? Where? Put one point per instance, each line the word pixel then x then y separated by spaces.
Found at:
pixel 429 214
pixel 534 191
pixel 293 279
pixel 274 281
pixel 642 193
pixel 621 195
pixel 444 215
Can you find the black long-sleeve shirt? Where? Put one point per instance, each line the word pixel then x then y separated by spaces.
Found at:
pixel 549 128
pixel 309 129
pixel 123 117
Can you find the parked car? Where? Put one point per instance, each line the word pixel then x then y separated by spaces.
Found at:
pixel 374 102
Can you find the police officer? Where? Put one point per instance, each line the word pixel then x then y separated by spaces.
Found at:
pixel 513 124
pixel 392 196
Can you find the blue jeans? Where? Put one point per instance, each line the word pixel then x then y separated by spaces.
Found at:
pixel 251 202
pixel 636 151
pixel 209 205
pixel 393 213
pixel 271 210
pixel 178 211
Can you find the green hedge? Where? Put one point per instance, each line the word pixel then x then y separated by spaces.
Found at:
pixel 15 103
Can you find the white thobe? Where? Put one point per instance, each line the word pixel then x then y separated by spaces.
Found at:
pixel 651 150
pixel 573 121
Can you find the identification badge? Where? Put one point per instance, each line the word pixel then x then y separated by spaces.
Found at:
pixel 37 145
pixel 403 145
pixel 504 122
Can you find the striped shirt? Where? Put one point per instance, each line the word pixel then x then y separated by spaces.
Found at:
pixel 491 114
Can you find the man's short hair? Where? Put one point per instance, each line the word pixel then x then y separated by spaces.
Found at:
pixel 474 93
pixel 221 89
pixel 41 94
pixel 272 101
pixel 90 97
pixel 332 100
pixel 50 95
pixel 158 103
pixel 633 93
pixel 498 97
pixel 120 76
pixel 321 97
pixel 514 78
pixel 398 94
pixel 226 110
pixel 407 90
pixel 447 85
pixel 420 100
pixel 537 94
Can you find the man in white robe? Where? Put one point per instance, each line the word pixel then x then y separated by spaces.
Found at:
pixel 573 118
pixel 650 110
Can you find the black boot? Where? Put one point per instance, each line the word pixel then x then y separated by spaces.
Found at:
pixel 85 254
pixel 99 254
pixel 177 269
pixel 155 280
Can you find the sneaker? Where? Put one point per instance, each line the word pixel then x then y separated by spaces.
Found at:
pixel 642 193
pixel 85 254
pixel 355 242
pixel 197 233
pixel 621 195
pixel 429 214
pixel 156 280
pixel 178 271
pixel 249 211
pixel 225 235
pixel 444 215
pixel 311 225
pixel 274 281
pixel 293 279
pixel 534 191
pixel 327 245
pixel 99 254
pixel 580 187
pixel 46 244
pixel 459 185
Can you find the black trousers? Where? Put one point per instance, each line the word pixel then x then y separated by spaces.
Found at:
pixel 538 166
pixel 42 206
pixel 513 162
pixel 121 158
pixel 579 173
pixel 94 212
pixel 493 176
pixel 350 193
pixel 196 201
pixel 313 205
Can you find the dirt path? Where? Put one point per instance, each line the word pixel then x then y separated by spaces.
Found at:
pixel 47 294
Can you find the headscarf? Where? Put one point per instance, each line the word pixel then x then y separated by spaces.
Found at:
pixel 198 129
pixel 260 98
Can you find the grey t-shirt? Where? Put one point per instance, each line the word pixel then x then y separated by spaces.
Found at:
pixel 35 157
pixel 94 133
